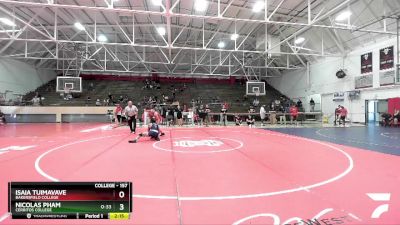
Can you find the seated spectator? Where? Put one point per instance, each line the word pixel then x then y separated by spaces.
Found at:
pixel 251 110
pixel 238 120
pixel 98 103
pixel 250 121
pixel 386 119
pixel 88 99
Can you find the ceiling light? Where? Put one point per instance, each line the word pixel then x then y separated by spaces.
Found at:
pixel 157 2
pixel 7 22
pixel 258 6
pixel 234 37
pixel 299 40
pixel 102 38
pixel 343 16
pixel 79 26
pixel 221 44
pixel 200 5
pixel 161 31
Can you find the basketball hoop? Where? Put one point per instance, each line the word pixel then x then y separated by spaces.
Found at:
pixel 257 93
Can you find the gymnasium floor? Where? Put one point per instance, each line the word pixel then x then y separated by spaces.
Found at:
pixel 218 175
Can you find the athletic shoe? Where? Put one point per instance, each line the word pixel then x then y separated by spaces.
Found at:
pixel 133 141
pixel 132 132
pixel 157 139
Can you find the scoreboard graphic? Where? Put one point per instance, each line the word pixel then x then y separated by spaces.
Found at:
pixel 70 200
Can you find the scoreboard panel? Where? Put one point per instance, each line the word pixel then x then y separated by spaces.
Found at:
pixel 70 200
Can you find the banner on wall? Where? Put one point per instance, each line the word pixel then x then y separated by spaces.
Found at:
pixel 364 81
pixel 386 77
pixel 366 63
pixel 386 58
pixel 338 96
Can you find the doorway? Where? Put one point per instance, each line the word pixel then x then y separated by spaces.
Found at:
pixel 373 110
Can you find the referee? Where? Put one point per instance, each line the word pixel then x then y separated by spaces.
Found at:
pixel 131 112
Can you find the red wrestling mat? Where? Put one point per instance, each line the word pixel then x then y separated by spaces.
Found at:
pixel 209 175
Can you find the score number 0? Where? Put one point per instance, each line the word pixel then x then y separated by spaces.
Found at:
pixel 121 195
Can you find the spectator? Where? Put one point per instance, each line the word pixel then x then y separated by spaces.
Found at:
pixel 36 101
pixel 256 102
pixel 263 114
pixel 98 102
pixel 2 118
pixel 91 86
pixel 294 112
pixel 110 97
pixel 250 121
pixel 238 120
pixel 337 115
pixel 312 105
pixel 386 119
pixel 282 116
pixel 224 110
pixel 299 104
pixel 118 114
pixel 202 114
pixel 170 116
pixel 396 117
pixel 343 115
pixel 88 99
pixel 179 117
pixel 251 110
pixel 207 110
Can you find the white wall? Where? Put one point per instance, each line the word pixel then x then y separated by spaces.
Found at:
pixel 20 77
pixel 324 81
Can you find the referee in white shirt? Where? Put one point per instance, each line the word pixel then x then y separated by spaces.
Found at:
pixel 131 112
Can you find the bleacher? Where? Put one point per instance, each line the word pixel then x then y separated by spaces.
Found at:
pixel 210 93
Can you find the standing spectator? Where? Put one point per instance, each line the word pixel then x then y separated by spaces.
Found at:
pixel 396 117
pixel 299 103
pixel 224 110
pixel 207 110
pixel 294 112
pixel 263 114
pixel 312 105
pixel 202 114
pixel 2 118
pixel 343 115
pixel 179 117
pixel 36 101
pixel 282 116
pixel 131 112
pixel 337 115
pixel 170 116
pixel 110 97
pixel 118 114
